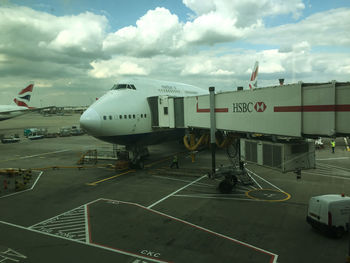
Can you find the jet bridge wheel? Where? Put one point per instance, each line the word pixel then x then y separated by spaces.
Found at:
pixel 226 186
pixel 138 165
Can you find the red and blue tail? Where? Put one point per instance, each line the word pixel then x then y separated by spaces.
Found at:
pixel 253 83
pixel 23 97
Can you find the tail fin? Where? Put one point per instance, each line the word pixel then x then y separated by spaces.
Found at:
pixel 24 96
pixel 253 83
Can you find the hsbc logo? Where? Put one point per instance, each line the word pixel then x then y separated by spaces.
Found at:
pixel 242 107
pixel 260 106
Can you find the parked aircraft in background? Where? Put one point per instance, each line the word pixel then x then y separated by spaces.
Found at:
pixel 253 83
pixel 21 107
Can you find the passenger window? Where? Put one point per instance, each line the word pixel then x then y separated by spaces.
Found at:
pixel 145 115
pixel 120 116
pixel 104 117
pixel 125 117
pixel 133 116
pixel 165 110
pixel 129 116
pixel 110 117
pixel 141 115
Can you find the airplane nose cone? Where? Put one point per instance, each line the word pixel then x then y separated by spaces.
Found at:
pixel 90 121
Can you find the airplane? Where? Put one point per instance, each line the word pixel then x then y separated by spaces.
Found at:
pixel 253 83
pixel 21 107
pixel 123 115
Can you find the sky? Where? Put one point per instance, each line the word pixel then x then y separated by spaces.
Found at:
pixel 75 50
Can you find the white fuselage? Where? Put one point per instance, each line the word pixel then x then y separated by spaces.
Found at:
pixel 123 116
pixel 11 111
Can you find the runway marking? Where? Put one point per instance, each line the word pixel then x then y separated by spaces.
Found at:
pixel 268 195
pixel 334 166
pixel 21 192
pixel 265 180
pixel 255 182
pixel 35 155
pixel 175 192
pixel 109 178
pixel 273 255
pixel 217 197
pixel 56 227
pixel 82 242
pixel 181 180
pixel 325 175
pixel 334 158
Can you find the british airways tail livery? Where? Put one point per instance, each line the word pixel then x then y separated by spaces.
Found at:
pixel 21 107
pixel 253 83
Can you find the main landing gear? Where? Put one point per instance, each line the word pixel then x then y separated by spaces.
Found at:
pixel 139 153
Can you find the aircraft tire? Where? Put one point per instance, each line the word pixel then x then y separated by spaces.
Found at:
pixel 225 187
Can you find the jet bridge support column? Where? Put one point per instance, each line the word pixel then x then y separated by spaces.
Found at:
pixel 212 127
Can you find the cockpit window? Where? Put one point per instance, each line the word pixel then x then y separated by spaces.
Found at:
pixel 123 86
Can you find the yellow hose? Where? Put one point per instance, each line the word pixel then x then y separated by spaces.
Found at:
pixel 193 146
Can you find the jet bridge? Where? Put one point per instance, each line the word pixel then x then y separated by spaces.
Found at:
pixel 294 112
pixel 301 110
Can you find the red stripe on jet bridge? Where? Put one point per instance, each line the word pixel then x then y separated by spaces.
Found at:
pixel 27 89
pixel 312 108
pixel 208 110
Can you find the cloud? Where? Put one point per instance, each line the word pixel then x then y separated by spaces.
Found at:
pixel 246 13
pixel 157 32
pixel 329 28
pixel 116 67
pixel 75 54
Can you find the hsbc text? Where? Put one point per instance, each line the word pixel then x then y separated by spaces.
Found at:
pixel 243 107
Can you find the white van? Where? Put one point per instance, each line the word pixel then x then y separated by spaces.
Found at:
pixel 329 213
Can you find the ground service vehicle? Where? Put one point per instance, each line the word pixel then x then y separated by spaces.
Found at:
pixel 329 213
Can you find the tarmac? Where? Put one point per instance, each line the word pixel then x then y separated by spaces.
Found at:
pixel 93 213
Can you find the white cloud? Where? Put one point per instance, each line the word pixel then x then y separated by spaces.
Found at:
pixel 157 32
pixel 247 12
pixel 66 53
pixel 117 67
pixel 329 28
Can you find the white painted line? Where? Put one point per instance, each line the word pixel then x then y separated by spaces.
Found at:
pixel 35 155
pixel 21 192
pixel 54 217
pixel 64 220
pixel 87 228
pixel 63 227
pixel 166 197
pixel 334 158
pixel 185 181
pixel 76 232
pixel 255 181
pixel 331 176
pixel 265 180
pixel 334 166
pixel 275 256
pixel 219 198
pixel 83 243
pixel 68 229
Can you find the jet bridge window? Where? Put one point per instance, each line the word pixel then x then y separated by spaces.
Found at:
pixel 123 86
